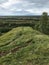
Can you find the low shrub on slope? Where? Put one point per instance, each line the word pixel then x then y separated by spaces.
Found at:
pixel 24 46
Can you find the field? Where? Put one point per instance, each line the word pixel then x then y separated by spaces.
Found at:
pixel 21 44
pixel 7 22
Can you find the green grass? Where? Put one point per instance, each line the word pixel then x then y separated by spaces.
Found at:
pixel 24 46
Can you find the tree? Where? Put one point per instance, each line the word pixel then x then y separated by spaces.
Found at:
pixel 44 22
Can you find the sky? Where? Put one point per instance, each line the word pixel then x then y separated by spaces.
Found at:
pixel 23 7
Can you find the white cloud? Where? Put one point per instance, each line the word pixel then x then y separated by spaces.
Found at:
pixel 9 3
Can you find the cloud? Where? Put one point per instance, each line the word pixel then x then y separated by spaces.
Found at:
pixel 9 3
pixel 23 7
pixel 38 11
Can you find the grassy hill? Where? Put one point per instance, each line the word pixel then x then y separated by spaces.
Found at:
pixel 24 46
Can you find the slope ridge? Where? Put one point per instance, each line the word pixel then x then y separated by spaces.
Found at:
pixel 28 47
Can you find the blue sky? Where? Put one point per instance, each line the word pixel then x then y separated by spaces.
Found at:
pixel 23 7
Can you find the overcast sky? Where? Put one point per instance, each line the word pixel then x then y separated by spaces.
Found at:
pixel 23 7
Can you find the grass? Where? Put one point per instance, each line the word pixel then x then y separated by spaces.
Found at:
pixel 24 46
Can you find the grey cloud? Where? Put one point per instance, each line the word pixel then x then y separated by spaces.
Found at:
pixel 28 7
pixel 2 1
pixel 39 3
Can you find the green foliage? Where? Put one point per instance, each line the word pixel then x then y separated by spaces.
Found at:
pixel 26 47
pixel 44 22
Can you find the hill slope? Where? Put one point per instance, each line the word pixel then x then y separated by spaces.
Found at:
pixel 24 46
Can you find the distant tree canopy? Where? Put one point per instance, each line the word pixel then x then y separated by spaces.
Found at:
pixel 43 24
pixel 44 17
